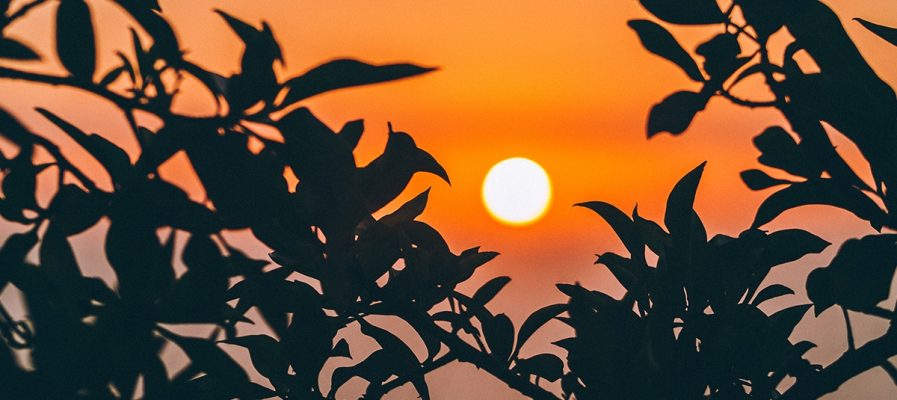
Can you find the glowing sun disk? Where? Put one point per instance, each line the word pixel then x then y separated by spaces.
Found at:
pixel 517 191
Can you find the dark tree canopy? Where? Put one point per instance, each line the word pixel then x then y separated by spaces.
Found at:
pixel 689 325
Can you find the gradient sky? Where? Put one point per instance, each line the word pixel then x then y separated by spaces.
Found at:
pixel 564 83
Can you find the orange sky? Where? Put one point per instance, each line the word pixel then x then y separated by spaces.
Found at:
pixel 565 84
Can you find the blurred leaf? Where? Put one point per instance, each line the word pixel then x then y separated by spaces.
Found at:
pixel 756 179
pixel 266 356
pixel 351 132
pixel 721 56
pixel 535 321
pixel 547 366
pixel 15 50
pixel 209 358
pixel 75 210
pixel 20 185
pixel 675 113
pixel 659 41
pixel 689 12
pixel 75 42
pixel 13 253
pixel 771 292
pixel 112 157
pixel 887 33
pixel 822 191
pixel 111 76
pixel 343 73
pixel 499 334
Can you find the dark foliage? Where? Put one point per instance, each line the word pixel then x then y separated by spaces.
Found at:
pixel 87 338
pixel 689 326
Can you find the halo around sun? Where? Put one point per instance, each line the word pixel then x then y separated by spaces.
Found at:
pixel 517 191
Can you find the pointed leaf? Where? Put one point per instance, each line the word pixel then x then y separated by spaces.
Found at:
pixel 822 191
pixel 15 50
pixel 688 12
pixel 75 42
pixel 884 32
pixel 771 292
pixel 343 73
pixel 659 41
pixel 675 113
pixel 622 225
pixel 490 289
pixel 756 179
pixel 680 203
pixel 535 321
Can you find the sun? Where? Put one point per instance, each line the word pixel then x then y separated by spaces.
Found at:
pixel 517 191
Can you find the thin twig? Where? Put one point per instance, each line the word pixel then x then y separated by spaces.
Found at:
pixel 851 343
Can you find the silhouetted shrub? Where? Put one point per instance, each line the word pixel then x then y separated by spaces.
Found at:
pixel 86 339
pixel 688 326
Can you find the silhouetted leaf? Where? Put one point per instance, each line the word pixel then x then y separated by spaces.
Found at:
pixel 675 113
pixel 859 277
pixel 111 76
pixel 408 211
pixel 13 253
pixel 685 12
pixel 490 289
pixel 535 321
pixel 266 356
pixel 779 150
pixel 547 366
pixel 343 73
pixel 822 191
pixel 19 185
pixel 112 157
pixel 659 41
pixel 75 42
pixel 680 203
pixel 756 179
pixel 141 264
pixel 785 320
pixel 341 349
pixel 57 261
pixel 884 32
pixel 15 50
pixel 402 359
pixel 771 292
pixel 623 270
pixel 374 369
pixel 622 226
pixel 791 244
pixel 207 357
pixel 75 210
pixel 351 132
pixel 721 56
pixel 499 334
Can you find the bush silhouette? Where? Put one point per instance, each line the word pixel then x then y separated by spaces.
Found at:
pixel 688 326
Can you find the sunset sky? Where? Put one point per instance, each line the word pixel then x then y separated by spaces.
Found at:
pixel 563 83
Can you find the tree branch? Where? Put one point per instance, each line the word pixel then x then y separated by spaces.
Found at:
pixel 849 365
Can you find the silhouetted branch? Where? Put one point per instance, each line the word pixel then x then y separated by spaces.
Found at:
pixel 425 369
pixel 849 365
pixel 746 103
pixel 851 342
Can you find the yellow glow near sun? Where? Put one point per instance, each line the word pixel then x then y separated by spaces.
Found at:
pixel 517 191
